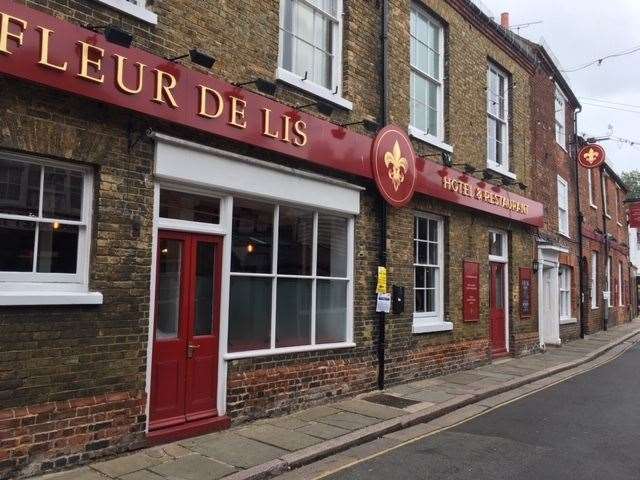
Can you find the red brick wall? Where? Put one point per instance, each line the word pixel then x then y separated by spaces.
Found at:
pixel 53 435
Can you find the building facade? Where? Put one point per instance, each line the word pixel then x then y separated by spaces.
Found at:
pixel 605 231
pixel 188 246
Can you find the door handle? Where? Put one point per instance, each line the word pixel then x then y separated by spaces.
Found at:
pixel 191 348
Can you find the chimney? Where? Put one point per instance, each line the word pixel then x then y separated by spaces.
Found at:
pixel 504 20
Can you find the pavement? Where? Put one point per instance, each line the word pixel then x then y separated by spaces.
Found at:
pixel 270 447
pixel 585 427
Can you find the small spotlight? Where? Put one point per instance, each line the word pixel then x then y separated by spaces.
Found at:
pixel 201 59
pixel 447 159
pixel 367 124
pixel 487 175
pixel 118 36
pixel 522 186
pixel 469 168
pixel 264 86
pixel 250 247
pixel 56 225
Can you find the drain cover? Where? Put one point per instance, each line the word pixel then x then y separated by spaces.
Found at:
pixel 390 400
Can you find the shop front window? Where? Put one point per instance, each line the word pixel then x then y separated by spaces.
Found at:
pixel 290 277
pixel 45 209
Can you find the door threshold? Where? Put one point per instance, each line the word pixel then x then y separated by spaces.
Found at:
pixel 501 356
pixel 187 430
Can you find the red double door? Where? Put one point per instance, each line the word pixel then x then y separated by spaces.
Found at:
pixel 497 309
pixel 185 350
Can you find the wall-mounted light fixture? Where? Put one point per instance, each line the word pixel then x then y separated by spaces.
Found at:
pixel 114 34
pixel 197 57
pixel 369 125
pixel 535 266
pixel 263 86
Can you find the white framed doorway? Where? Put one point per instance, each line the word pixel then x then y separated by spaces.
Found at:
pixel 548 294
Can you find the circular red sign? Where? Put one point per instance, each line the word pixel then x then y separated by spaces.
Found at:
pixel 394 165
pixel 591 155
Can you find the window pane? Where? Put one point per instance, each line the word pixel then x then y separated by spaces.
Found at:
pixel 249 313
pixel 431 277
pixel 332 246
pixel 252 237
pixel 205 268
pixel 304 59
pixel 293 312
pixel 433 254
pixel 168 295
pixel 62 197
pixel 17 239
pixel 420 277
pixel 495 244
pixel 430 301
pixel 423 251
pixel 422 228
pixel 422 58
pixel 304 22
pixel 57 248
pixel 433 231
pixel 331 311
pixel 420 298
pixel 19 188
pixel 189 206
pixel 295 241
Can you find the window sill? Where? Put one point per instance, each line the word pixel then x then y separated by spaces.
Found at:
pixel 281 351
pixel 49 298
pixel 568 320
pixel 134 10
pixel 501 170
pixel 419 327
pixel 565 234
pixel 593 206
pixel 607 215
pixel 430 139
pixel 563 147
pixel 314 89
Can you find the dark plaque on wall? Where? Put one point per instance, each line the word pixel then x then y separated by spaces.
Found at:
pixel 525 292
pixel 470 291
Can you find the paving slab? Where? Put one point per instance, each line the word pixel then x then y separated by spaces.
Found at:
pixel 433 396
pixel 316 412
pixel 193 467
pixel 123 465
pixel 290 440
pixel 463 378
pixel 84 473
pixel 369 409
pixel 239 451
pixel 322 430
pixel 142 475
pixel 349 421
pixel 290 422
pixel 314 469
pixel 419 406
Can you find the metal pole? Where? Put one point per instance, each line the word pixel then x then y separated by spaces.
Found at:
pixel 382 254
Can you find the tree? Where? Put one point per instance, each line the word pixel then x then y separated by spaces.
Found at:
pixel 632 180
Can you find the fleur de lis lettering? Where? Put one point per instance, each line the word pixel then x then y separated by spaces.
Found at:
pixel 396 164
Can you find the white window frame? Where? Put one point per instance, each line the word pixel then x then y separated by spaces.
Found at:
pixel 563 207
pixel 560 120
pixel 504 168
pixel 136 8
pixel 564 274
pixel 33 288
pixel 425 322
pixel 313 277
pixel 608 273
pixel 620 296
pixel 594 280
pixel 433 138
pixel 605 196
pixel 334 94
pixel 590 185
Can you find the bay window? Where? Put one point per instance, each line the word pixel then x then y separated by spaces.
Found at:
pixel 45 214
pixel 427 76
pixel 310 47
pixel 497 119
pixel 429 274
pixel 290 278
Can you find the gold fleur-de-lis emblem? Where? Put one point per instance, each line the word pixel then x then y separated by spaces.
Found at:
pixel 396 164
pixel 591 156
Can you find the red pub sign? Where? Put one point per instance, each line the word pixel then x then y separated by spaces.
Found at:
pixel 40 48
pixel 591 155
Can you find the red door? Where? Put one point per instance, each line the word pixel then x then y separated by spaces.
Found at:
pixel 497 309
pixel 187 310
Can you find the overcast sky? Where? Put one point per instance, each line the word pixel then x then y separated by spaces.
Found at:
pixel 579 31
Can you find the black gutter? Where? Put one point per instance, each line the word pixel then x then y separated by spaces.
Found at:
pixel 382 250
pixel 580 220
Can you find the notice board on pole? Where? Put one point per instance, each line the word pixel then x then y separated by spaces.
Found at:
pixel 525 292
